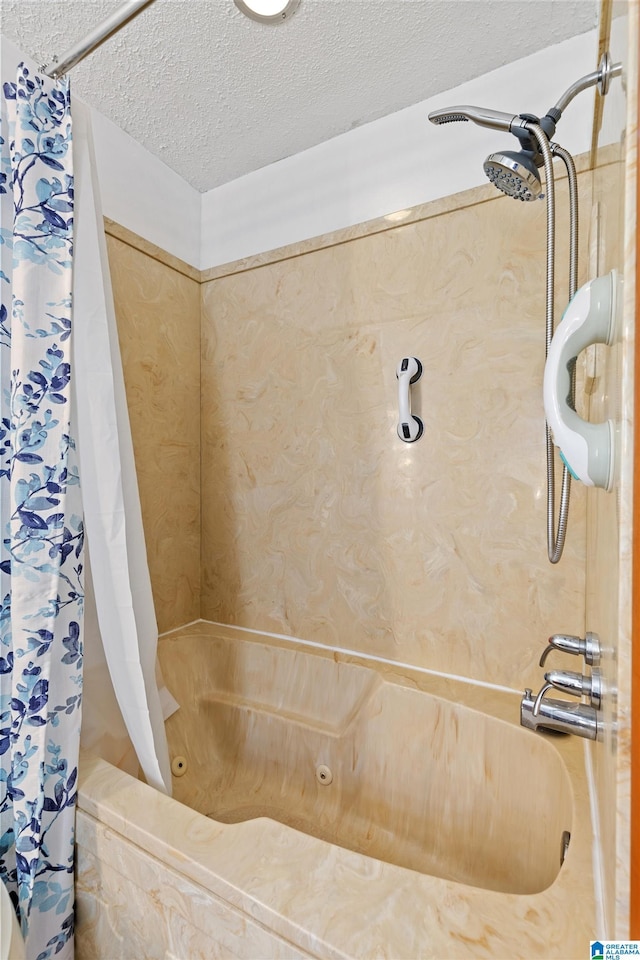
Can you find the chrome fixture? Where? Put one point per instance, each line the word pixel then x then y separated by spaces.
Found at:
pixel 555 541
pixel 589 647
pixel 516 174
pixel 519 124
pixel 265 11
pixel 408 372
pixel 575 684
pixel 114 22
pixel 560 716
pixel 601 78
pixel 537 712
pixel 268 11
pixel 484 117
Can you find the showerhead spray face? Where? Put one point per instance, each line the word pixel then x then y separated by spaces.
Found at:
pixel 515 173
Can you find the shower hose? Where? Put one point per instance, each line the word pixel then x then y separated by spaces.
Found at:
pixel 556 540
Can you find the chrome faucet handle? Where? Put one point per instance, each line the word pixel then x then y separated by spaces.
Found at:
pixel 561 641
pixel 577 684
pixel 560 716
pixel 538 701
pixel 588 647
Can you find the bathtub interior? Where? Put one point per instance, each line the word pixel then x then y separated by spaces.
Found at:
pixel 339 752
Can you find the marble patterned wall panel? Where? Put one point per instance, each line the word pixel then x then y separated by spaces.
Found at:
pixel 603 540
pixel 609 548
pixel 158 314
pixel 318 522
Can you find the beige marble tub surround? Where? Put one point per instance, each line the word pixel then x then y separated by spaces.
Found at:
pixel 315 525
pixel 603 552
pixel 354 520
pixel 317 521
pixel 141 244
pixel 443 205
pixel 609 516
pixel 157 309
pixel 625 652
pixel 499 702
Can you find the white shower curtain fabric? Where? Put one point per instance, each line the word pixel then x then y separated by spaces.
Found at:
pixel 113 519
pixel 66 471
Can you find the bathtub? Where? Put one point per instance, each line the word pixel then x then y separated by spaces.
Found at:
pixel 327 806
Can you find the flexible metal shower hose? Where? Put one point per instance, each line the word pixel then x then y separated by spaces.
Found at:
pixel 555 542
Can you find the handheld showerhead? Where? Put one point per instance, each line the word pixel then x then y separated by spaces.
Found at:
pixel 515 173
pixel 484 117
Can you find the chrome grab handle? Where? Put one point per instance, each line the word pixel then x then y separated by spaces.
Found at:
pixel 538 700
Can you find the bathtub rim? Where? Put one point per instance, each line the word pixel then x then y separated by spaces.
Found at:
pixel 166 829
pixel 494 700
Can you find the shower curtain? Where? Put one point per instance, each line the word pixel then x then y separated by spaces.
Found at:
pixel 42 526
pixel 113 519
pixel 66 470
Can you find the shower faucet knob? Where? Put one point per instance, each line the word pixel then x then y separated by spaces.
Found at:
pixel 577 685
pixel 587 647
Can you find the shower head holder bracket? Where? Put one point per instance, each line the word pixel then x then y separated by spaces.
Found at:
pixel 528 142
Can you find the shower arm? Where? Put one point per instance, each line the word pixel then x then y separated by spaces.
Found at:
pixel 601 77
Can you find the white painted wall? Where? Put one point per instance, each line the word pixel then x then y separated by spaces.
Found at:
pixel 392 163
pixel 142 193
pixel 382 167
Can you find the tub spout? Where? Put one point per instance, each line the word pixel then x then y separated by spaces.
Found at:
pixel 559 716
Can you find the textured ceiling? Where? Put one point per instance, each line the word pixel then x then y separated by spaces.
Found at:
pixel 216 95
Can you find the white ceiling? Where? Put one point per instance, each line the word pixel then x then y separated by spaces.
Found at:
pixel 216 95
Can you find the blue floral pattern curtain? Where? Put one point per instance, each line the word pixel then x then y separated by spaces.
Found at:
pixel 41 516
